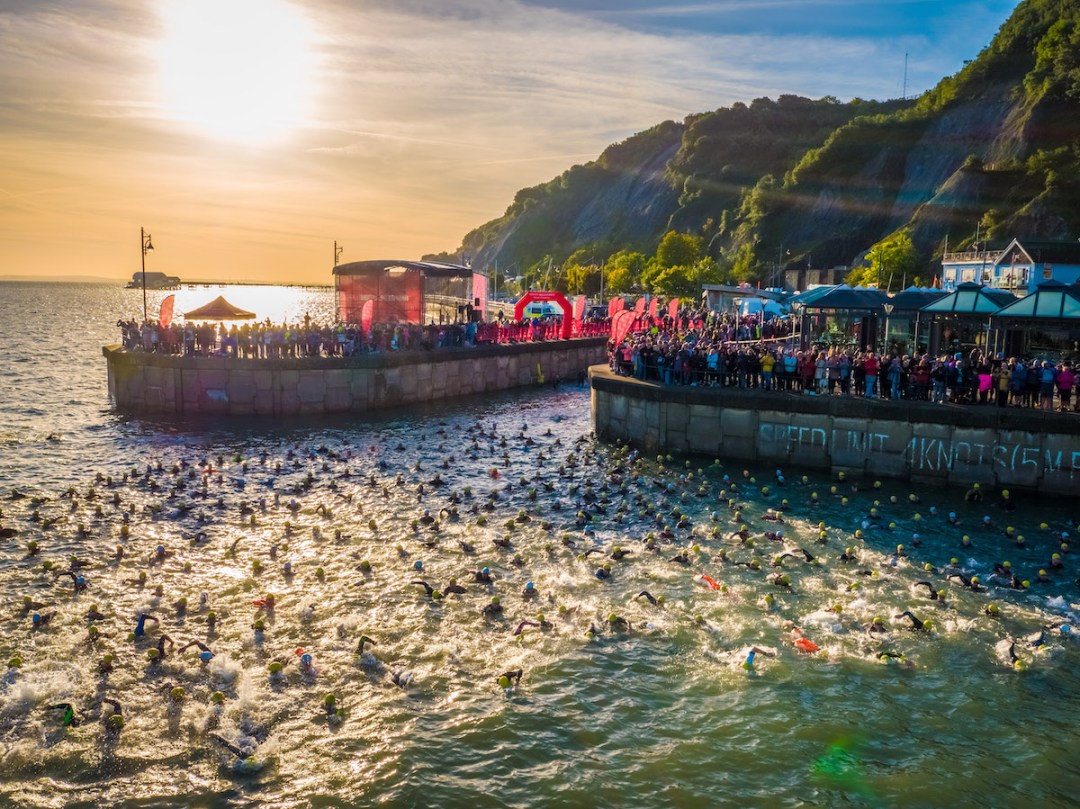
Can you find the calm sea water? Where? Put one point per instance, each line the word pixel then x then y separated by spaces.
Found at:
pixel 660 713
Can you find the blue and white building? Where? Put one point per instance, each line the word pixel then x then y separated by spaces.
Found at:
pixel 1018 268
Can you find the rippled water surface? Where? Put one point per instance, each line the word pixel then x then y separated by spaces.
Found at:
pixel 651 708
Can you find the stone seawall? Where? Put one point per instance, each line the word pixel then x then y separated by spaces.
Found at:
pixel 920 441
pixel 191 386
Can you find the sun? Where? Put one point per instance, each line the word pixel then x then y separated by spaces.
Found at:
pixel 237 70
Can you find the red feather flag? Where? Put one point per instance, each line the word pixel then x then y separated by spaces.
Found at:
pixel 366 314
pixel 166 313
pixel 620 325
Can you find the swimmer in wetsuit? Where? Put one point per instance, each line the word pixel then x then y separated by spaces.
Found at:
pixel 541 624
pixel 78 581
pixel 510 678
pixel 972 583
pixel 232 748
pixel 431 591
pixel 934 595
pixel 161 646
pixel 618 623
pixel 648 597
pixel 876 626
pixel 29 605
pixel 205 655
pixel 114 722
pixel 140 623
pixel 69 716
pixel 916 624
pixel 453 588
pixel 748 664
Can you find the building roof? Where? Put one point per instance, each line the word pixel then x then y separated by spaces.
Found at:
pixel 807 298
pixel 1051 300
pixel 1041 252
pixel 971 299
pixel 743 291
pixel 914 298
pixel 219 309
pixel 432 269
pixel 844 297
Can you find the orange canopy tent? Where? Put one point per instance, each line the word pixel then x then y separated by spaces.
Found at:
pixel 218 309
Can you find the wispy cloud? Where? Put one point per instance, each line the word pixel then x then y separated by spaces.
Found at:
pixel 428 117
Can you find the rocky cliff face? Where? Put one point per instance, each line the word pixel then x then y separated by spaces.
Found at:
pixel 995 148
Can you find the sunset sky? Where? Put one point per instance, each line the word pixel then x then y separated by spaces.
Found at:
pixel 248 135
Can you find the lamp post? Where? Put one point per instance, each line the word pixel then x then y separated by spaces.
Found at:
pixel 147 246
pixel 798 309
pixel 338 249
pixel 888 311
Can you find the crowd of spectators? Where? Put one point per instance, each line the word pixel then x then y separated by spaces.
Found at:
pixel 266 340
pixel 700 355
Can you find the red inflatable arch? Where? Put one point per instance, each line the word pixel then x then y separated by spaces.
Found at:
pixel 554 297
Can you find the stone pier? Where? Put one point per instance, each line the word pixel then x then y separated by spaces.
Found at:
pixel 918 441
pixel 191 386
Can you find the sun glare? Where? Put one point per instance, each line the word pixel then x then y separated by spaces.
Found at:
pixel 236 69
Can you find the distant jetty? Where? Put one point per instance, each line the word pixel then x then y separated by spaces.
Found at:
pixel 154 280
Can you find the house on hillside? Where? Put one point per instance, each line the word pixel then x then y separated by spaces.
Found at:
pixel 805 278
pixel 1019 267
pixel 726 298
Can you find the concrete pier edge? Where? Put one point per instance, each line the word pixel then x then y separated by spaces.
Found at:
pixel 918 441
pixel 162 384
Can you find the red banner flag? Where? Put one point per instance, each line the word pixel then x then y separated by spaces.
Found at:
pixel 166 313
pixel 652 306
pixel 615 305
pixel 579 308
pixel 366 313
pixel 620 325
pixel 480 293
pixel 673 308
pixel 639 307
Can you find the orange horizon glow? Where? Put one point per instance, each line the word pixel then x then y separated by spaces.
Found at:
pixel 248 135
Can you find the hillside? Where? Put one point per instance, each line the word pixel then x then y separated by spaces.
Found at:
pixel 994 150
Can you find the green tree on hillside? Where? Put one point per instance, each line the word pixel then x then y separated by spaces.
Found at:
pixel 889 261
pixel 581 272
pixel 678 249
pixel 622 270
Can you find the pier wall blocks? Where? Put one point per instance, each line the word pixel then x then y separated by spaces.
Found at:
pixel 923 442
pixel 194 386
